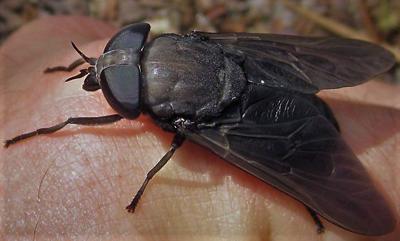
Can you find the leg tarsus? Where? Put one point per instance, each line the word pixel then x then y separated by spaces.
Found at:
pixel 317 221
pixel 101 120
pixel 68 68
pixel 176 143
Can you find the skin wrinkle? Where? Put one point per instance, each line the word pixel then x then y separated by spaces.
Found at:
pixel 65 185
pixel 115 177
pixel 392 182
pixel 370 157
pixel 99 181
pixel 91 164
pixel 42 181
pixel 41 149
pixel 39 215
pixel 396 179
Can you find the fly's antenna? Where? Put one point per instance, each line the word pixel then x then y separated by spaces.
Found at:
pixel 90 83
pixel 91 61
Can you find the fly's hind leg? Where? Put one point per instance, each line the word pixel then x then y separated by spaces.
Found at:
pixel 100 120
pixel 68 68
pixel 317 221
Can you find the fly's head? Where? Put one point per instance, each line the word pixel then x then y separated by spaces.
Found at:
pixel 117 71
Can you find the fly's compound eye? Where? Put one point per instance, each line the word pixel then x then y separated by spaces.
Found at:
pixel 119 72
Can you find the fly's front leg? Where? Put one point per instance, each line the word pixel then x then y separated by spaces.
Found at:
pixel 68 68
pixel 100 120
pixel 176 143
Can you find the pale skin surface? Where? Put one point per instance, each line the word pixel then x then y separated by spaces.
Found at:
pixel 75 184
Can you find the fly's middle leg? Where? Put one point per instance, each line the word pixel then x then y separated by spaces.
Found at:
pixel 176 143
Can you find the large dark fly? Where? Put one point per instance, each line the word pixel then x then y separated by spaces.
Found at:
pixel 250 98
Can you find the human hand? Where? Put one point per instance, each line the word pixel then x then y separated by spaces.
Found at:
pixel 75 184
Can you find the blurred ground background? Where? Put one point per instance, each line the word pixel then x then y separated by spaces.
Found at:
pixel 372 20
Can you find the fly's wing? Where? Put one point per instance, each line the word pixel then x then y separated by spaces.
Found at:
pixel 305 64
pixel 285 141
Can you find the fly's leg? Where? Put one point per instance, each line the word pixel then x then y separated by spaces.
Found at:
pixel 68 68
pixel 176 143
pixel 317 221
pixel 100 120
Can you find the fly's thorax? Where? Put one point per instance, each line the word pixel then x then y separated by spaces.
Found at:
pixel 187 77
